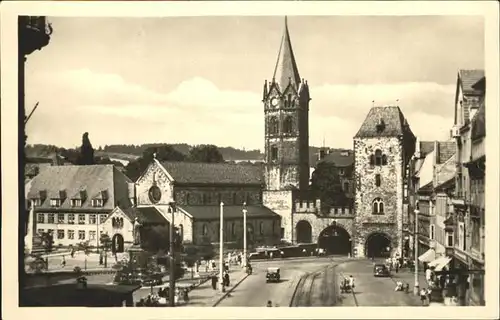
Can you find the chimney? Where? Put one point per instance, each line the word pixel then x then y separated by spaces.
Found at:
pixel 418 153
pixel 62 195
pixel 436 152
pixel 83 195
pixel 43 195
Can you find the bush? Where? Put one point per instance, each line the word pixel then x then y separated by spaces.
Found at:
pixel 77 269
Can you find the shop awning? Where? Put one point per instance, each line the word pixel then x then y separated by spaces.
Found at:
pixel 440 263
pixel 428 256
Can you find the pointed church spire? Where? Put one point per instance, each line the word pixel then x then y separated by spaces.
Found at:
pixel 286 70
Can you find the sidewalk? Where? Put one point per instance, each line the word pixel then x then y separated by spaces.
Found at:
pixel 205 296
pixel 405 275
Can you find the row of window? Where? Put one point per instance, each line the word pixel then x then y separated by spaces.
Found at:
pixel 69 218
pixel 232 229
pixel 274 125
pixel 207 198
pixel 70 234
pixel 378 159
pixel 75 203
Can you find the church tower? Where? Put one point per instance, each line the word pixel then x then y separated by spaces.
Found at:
pixel 286 111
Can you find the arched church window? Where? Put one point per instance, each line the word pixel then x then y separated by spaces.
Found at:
pixel 273 126
pixel 288 125
pixel 378 206
pixel 261 228
pixel 378 157
pixel 377 180
pixel 384 160
pixel 181 231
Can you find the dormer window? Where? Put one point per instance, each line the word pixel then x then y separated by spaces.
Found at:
pixel 97 203
pixel 341 172
pixel 76 203
pixel 37 202
pixel 55 202
pixel 380 125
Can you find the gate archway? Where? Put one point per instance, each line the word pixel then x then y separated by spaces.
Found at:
pixel 378 245
pixel 335 240
pixel 304 232
pixel 117 243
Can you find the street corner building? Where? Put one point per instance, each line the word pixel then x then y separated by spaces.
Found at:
pixel 73 203
pixel 383 147
pixel 197 189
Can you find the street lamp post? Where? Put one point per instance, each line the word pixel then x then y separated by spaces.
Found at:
pixel 221 247
pixel 245 234
pixel 171 294
pixel 415 240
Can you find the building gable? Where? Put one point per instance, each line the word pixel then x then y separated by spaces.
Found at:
pixel 155 176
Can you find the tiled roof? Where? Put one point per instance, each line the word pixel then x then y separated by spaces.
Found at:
pixel 340 158
pixel 426 188
pixel 71 180
pixel 144 214
pixel 286 68
pixel 426 147
pixel 214 173
pixel 393 123
pixel 446 150
pixel 213 212
pixel 479 124
pixel 450 182
pixel 468 78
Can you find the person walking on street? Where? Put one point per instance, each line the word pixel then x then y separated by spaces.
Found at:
pixel 351 282
pixel 269 303
pixel 423 296
pixel 214 282
pixel 397 266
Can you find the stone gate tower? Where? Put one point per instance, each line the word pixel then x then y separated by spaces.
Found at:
pixel 383 147
pixel 286 112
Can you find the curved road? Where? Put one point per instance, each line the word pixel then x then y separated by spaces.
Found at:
pixel 255 292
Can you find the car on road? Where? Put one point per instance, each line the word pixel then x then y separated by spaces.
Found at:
pixel 273 274
pixel 381 270
pixel 257 255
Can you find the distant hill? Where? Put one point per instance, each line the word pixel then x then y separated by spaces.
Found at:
pixel 132 152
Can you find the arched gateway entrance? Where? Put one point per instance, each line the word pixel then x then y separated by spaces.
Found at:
pixel 378 245
pixel 335 240
pixel 117 243
pixel 304 232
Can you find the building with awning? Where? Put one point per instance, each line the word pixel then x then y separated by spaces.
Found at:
pixel 440 263
pixel 428 256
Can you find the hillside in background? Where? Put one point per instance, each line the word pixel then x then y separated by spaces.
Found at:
pixel 132 152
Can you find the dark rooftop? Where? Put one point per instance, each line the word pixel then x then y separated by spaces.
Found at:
pixel 213 212
pixel 73 295
pixel 479 124
pixel 468 78
pixel 338 157
pixel 144 214
pixel 214 173
pixel 383 122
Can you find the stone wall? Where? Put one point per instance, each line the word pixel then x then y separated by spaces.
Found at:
pixel 319 224
pixel 212 195
pixel 281 202
pixel 390 191
pixel 181 220
pixel 262 231
pixel 154 173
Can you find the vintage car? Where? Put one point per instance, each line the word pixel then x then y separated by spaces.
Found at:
pixel 273 275
pixel 381 270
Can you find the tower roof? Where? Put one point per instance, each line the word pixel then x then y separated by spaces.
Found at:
pixel 383 122
pixel 286 67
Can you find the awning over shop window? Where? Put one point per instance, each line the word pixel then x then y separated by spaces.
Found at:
pixel 440 263
pixel 428 256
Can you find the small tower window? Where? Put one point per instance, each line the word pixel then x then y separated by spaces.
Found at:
pixel 274 153
pixel 273 126
pixel 378 206
pixel 288 125
pixel 205 230
pixel 378 157
pixel 384 160
pixel 377 180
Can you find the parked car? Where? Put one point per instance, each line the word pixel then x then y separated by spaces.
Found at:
pixel 273 274
pixel 381 270
pixel 257 255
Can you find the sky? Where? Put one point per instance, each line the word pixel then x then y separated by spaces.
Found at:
pixel 199 80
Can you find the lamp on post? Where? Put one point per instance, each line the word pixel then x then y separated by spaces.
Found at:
pixel 221 248
pixel 244 234
pixel 415 243
pixel 171 294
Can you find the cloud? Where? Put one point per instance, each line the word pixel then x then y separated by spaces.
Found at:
pixel 197 111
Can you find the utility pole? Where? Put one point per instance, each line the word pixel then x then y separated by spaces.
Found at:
pixel 221 247
pixel 416 286
pixel 244 234
pixel 171 295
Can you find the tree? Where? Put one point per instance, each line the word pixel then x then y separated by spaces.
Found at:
pixel 163 153
pixel 326 184
pixel 155 238
pixel 106 244
pixel 205 153
pixel 48 245
pixel 86 151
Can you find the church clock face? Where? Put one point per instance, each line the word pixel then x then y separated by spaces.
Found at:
pixel 154 194
pixel 274 101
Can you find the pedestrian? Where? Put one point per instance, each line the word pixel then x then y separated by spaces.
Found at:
pixel 101 262
pixel 269 303
pixel 214 282
pixel 72 253
pixel 271 255
pixel 351 282
pixel 423 296
pixel 226 279
pixel 63 263
pixel 397 267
